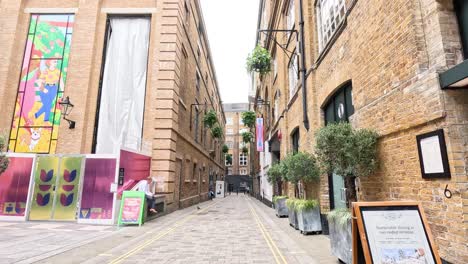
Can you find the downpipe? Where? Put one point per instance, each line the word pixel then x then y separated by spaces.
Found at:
pixel 303 67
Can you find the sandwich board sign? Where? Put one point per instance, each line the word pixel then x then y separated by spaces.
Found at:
pixel 132 208
pixel 392 232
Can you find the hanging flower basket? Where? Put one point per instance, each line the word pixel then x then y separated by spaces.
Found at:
pixel 210 119
pixel 216 131
pixel 247 137
pixel 225 149
pixel 259 61
pixel 245 150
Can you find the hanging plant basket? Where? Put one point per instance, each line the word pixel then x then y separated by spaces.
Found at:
pixel 249 118
pixel 259 61
pixel 245 150
pixel 210 119
pixel 225 149
pixel 247 137
pixel 217 131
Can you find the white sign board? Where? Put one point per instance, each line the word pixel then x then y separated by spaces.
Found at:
pixel 219 189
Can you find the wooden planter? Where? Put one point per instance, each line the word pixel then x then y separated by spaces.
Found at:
pixel 341 241
pixel 281 208
pixel 309 221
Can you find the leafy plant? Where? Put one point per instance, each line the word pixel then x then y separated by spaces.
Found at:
pixel 247 137
pixel 216 131
pixel 4 161
pixel 340 216
pixel 249 118
pixel 345 151
pixel 225 149
pixel 210 119
pixel 276 198
pixel 229 159
pixel 245 149
pixel 276 174
pixel 301 166
pixel 291 204
pixel 304 205
pixel 259 61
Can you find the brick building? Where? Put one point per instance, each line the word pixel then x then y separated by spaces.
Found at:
pixel 394 66
pixel 156 51
pixel 240 161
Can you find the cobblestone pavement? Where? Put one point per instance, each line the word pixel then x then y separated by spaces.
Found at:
pixel 235 229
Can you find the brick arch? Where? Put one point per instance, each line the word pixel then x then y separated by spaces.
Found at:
pixel 333 92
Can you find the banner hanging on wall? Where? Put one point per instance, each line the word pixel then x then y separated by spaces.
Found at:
pixel 259 138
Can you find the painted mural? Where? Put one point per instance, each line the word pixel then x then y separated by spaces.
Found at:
pixel 43 78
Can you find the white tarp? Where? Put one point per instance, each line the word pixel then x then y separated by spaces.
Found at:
pixel 124 84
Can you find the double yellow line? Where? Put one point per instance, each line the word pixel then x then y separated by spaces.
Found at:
pixel 160 235
pixel 279 258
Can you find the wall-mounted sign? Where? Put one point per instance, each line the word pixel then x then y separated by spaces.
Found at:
pixel 433 157
pixel 259 139
pixel 393 232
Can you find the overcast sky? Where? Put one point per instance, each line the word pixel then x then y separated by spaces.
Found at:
pixel 231 27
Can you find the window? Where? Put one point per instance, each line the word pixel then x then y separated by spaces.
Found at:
pixel 187 14
pixel 291 19
pixel 293 75
pixel 198 49
pixel 230 144
pixel 229 121
pixel 194 171
pixel 243 159
pixel 241 122
pixel 229 131
pixel 198 82
pixel 461 8
pixel 229 172
pixel 340 107
pixel 196 124
pixel 276 107
pixel 228 160
pixel 275 66
pixel 330 14
pixel 295 141
pixel 243 171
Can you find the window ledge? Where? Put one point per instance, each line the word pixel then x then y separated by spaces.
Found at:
pixel 294 96
pixel 187 181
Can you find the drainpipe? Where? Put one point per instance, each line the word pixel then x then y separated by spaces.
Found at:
pixel 303 67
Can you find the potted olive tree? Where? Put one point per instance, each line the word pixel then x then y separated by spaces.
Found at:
pixel 350 153
pixel 292 214
pixel 4 161
pixel 302 167
pixel 275 176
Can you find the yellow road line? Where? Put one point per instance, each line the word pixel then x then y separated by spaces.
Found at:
pixel 160 235
pixel 271 243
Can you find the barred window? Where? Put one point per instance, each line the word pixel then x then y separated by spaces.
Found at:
pixel 330 14
pixel 243 159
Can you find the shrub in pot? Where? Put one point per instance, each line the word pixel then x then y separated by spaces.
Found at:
pixel 339 221
pixel 280 205
pixel 308 216
pixel 350 153
pixel 292 214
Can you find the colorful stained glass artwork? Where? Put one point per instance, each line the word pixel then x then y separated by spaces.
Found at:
pixel 43 78
pixel 14 186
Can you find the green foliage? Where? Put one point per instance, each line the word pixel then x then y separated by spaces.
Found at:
pixel 225 149
pixel 247 137
pixel 291 204
pixel 259 61
pixel 245 149
pixel 276 198
pixel 301 166
pixel 210 119
pixel 302 205
pixel 249 119
pixel 344 151
pixel 4 161
pixel 216 131
pixel 275 173
pixel 229 159
pixel 340 216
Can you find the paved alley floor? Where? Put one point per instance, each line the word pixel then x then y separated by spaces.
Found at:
pixel 235 229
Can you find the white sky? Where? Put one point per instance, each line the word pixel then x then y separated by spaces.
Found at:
pixel 232 27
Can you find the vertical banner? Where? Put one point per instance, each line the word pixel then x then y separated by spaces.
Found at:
pixel 45 177
pixel 14 186
pixel 259 138
pixel 67 188
pixel 43 76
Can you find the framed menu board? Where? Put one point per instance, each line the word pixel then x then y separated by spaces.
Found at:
pixel 394 232
pixel 132 208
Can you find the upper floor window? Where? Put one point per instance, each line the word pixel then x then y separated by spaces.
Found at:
pixel 187 14
pixel 243 171
pixel 228 160
pixel 198 82
pixel 291 19
pixel 293 75
pixel 295 141
pixel 241 122
pixel 340 106
pixel 229 131
pixel 230 144
pixel 243 159
pixel 461 8
pixel 196 121
pixel 229 121
pixel 330 14
pixel 276 107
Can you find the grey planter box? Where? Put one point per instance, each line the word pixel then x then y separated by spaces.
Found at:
pixel 309 220
pixel 292 215
pixel 281 208
pixel 341 241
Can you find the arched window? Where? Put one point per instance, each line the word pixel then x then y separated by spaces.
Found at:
pixel 340 106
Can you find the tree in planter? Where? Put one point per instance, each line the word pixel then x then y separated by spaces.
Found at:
pixel 210 119
pixel 259 61
pixel 350 153
pixel 301 166
pixel 275 175
pixel 249 118
pixel 4 161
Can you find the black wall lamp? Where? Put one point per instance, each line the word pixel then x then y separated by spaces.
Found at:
pixel 67 107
